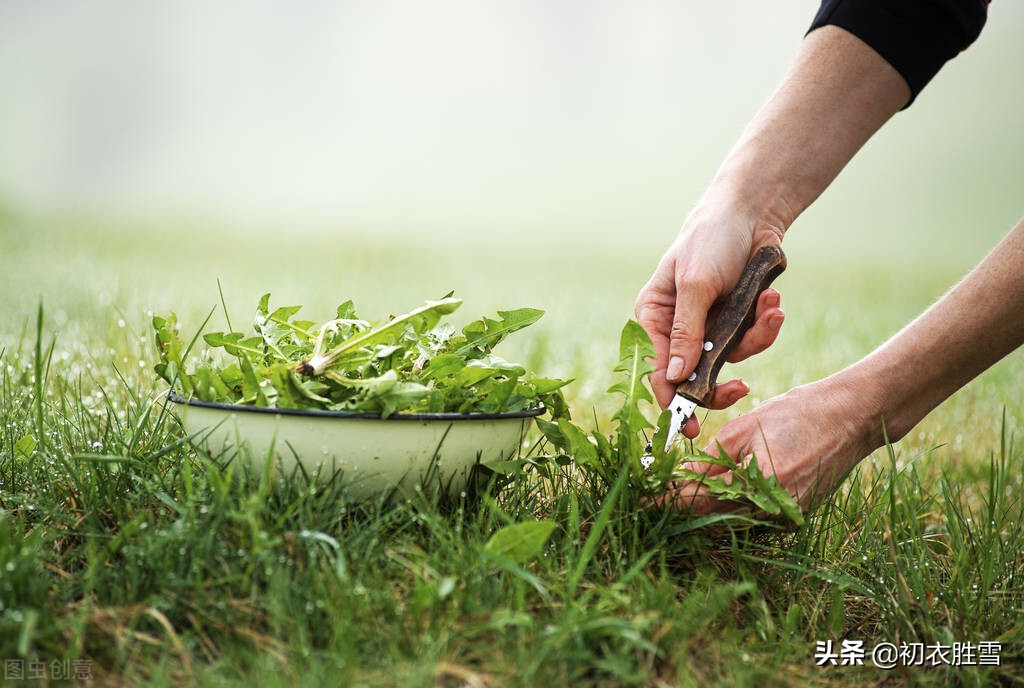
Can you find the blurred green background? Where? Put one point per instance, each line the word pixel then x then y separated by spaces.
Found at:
pixel 530 153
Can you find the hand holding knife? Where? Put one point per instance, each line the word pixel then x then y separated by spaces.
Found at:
pixel 722 336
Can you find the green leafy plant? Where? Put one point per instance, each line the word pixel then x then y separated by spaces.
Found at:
pixel 416 362
pixel 641 454
pixel 409 363
pixel 520 542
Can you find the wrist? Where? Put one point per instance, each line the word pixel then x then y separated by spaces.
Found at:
pixel 852 406
pixel 878 402
pixel 762 199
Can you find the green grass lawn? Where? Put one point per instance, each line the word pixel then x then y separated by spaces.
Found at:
pixel 158 569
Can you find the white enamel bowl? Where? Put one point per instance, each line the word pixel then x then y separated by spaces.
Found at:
pixel 405 451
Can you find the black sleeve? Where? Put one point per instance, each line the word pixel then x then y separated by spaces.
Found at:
pixel 916 37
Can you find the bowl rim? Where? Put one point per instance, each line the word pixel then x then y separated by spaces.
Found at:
pixel 318 413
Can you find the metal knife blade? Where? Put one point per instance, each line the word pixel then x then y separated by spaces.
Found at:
pixel 682 408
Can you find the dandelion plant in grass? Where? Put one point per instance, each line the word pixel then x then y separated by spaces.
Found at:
pixel 635 454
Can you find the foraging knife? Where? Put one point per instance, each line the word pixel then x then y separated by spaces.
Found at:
pixel 722 336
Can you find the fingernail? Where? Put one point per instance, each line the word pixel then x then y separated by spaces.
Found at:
pixel 675 369
pixel 775 322
pixel 773 300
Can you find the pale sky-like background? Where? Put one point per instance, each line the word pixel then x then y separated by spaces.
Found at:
pixel 458 118
pixel 530 153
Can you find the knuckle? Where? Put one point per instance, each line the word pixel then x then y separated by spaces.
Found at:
pixel 758 339
pixel 641 307
pixel 699 280
pixel 682 334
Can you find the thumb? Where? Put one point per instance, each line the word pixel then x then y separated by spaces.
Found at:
pixel 686 340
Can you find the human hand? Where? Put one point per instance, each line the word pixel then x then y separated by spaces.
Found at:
pixel 701 267
pixel 809 438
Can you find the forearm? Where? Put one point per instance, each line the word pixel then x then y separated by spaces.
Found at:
pixel 974 325
pixel 837 94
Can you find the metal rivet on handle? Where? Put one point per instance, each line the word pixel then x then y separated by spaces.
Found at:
pixel 708 346
pixel 693 376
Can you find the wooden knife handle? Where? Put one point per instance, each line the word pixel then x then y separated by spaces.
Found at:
pixel 736 315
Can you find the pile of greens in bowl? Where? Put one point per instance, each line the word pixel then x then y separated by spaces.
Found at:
pixel 411 363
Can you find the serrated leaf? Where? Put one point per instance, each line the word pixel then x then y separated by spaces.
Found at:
pixel 346 311
pixel 486 333
pixel 785 501
pixel 634 348
pixel 235 343
pixel 273 328
pixel 632 341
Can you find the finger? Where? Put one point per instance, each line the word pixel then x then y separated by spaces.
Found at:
pixel 768 321
pixel 691 495
pixel 727 394
pixel 663 390
pixel 692 427
pixel 687 495
pixel 654 312
pixel 693 300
